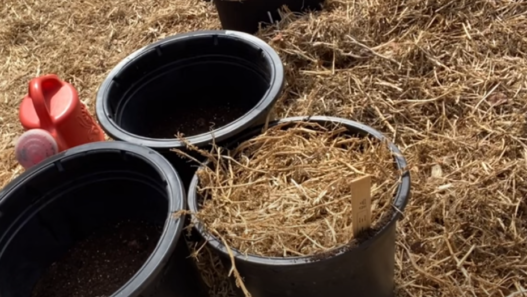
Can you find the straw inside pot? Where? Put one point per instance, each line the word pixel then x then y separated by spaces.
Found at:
pixel 287 191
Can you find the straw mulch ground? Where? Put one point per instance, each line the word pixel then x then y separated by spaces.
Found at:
pixel 446 80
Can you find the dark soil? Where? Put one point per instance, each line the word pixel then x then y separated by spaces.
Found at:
pixel 195 121
pixel 100 264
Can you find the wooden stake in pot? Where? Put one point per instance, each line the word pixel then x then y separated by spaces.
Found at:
pixel 361 204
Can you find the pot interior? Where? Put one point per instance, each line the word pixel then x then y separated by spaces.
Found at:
pixel 192 85
pixel 66 202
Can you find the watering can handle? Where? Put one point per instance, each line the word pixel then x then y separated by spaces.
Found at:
pixel 39 102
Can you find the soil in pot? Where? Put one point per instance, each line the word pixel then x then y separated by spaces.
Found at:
pixel 286 193
pixel 101 263
pixel 190 83
pixel 195 121
pixel 54 213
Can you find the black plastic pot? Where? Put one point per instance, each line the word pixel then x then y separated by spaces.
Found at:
pixel 63 199
pixel 173 78
pixel 366 269
pixel 247 15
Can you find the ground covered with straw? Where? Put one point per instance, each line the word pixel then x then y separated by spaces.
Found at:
pixel 445 80
pixel 286 192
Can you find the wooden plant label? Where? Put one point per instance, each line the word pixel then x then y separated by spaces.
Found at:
pixel 361 204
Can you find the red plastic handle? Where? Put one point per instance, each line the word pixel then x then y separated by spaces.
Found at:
pixel 36 93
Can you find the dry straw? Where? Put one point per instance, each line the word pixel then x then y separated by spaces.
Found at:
pixel 445 79
pixel 286 192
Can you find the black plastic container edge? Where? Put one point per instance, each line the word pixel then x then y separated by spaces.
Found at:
pixel 246 121
pixel 247 15
pixel 154 270
pixel 385 234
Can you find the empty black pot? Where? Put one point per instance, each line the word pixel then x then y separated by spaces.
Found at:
pixel 193 83
pixel 63 199
pixel 246 15
pixel 363 270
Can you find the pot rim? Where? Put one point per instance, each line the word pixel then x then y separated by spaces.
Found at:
pixel 276 84
pixel 172 229
pixel 400 200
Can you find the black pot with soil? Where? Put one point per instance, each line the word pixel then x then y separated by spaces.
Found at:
pixel 275 264
pixel 207 85
pixel 247 15
pixel 96 220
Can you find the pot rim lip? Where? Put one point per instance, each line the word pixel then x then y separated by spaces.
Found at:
pixel 267 100
pixel 173 226
pixel 400 201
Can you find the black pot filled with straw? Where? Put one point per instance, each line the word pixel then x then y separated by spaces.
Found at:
pixel 304 207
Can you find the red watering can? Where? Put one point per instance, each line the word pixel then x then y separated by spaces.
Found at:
pixel 53 105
